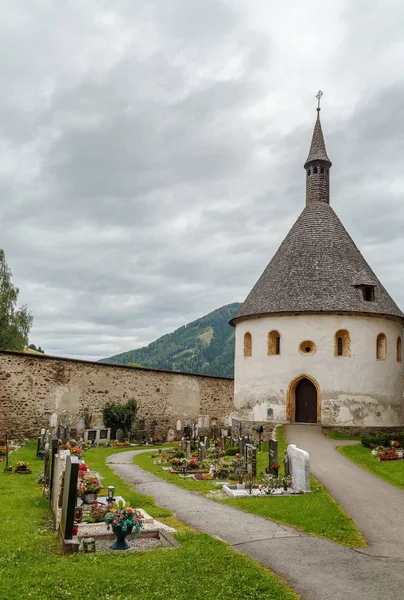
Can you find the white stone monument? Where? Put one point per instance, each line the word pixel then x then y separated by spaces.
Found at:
pixel 299 466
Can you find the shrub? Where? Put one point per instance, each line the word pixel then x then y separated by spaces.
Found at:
pixel 118 416
pixel 382 438
pixel 179 454
pixel 232 451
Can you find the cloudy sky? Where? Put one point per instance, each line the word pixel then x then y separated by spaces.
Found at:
pixel 152 152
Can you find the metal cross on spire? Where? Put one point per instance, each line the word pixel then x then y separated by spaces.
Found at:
pixel 318 96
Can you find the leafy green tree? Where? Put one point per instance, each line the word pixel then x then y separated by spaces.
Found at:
pixel 119 416
pixel 15 323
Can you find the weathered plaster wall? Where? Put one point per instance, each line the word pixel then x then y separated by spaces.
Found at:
pixel 355 390
pixel 34 387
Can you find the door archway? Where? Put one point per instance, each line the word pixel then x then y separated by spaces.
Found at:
pixel 303 404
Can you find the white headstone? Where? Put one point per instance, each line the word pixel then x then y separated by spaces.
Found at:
pixel 170 435
pixel 53 420
pixel 178 427
pixel 200 422
pixel 299 465
pixel 206 422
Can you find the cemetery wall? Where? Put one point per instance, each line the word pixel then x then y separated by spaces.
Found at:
pixel 33 387
pixel 355 390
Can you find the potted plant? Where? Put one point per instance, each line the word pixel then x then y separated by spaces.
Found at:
pixel 21 467
pixel 123 520
pixel 88 487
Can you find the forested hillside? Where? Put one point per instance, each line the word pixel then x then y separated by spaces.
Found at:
pixel 205 346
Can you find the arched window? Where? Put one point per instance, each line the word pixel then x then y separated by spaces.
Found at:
pixel 342 343
pixel 274 343
pixel 247 344
pixel 381 347
pixel 399 349
pixel 315 169
pixel 308 172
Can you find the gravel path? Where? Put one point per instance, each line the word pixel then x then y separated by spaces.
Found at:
pixel 315 568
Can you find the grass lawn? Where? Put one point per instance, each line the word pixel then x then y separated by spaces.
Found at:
pixel 335 435
pixel 316 513
pixel 391 471
pixel 31 566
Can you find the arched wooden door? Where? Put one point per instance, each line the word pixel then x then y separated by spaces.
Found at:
pixel 305 402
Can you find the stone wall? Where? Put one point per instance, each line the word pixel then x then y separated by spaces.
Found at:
pixel 33 387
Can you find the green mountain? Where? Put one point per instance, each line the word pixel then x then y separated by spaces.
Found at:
pixel 205 346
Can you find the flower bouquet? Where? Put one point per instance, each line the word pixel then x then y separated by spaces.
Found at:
pixel 123 519
pixel 88 487
pixel 22 467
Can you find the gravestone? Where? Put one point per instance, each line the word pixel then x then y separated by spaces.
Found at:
pixel 201 451
pixel 53 420
pixel 206 422
pixel 178 426
pixel 299 465
pixel 273 455
pixel 222 443
pixel 206 441
pixel 244 442
pixel 199 422
pixel 187 432
pixel 69 497
pixel 188 449
pixel 80 427
pixel 119 434
pixel 65 422
pixel 170 435
pixel 54 451
pixel 251 459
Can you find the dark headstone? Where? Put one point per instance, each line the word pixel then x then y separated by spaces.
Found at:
pixel 92 434
pixel 54 451
pixel 69 497
pixel 222 443
pixel 273 455
pixel 251 459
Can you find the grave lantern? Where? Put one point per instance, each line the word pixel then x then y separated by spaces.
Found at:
pixel 111 492
pixel 89 545
pixel 78 513
pixel 75 528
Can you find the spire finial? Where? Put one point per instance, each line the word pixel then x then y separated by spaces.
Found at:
pixel 318 96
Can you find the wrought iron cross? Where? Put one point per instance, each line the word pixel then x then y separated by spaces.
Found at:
pixel 318 96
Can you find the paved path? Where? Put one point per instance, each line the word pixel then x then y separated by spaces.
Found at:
pixel 376 506
pixel 316 568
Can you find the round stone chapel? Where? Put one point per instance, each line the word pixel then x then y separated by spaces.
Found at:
pixel 318 339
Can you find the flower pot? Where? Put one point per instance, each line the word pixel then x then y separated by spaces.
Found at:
pixel 120 543
pixel 89 498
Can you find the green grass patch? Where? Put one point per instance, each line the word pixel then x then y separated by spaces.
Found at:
pixel 391 471
pixel 316 513
pixel 31 566
pixel 335 435
pixel 145 461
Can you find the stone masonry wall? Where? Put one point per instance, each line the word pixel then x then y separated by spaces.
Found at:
pixel 32 387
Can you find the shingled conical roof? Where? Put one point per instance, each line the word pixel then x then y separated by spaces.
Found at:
pixel 317 148
pixel 318 267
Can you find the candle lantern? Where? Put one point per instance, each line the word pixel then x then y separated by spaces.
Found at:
pixel 75 528
pixel 78 514
pixel 111 492
pixel 89 545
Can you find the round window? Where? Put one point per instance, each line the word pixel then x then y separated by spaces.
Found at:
pixel 307 347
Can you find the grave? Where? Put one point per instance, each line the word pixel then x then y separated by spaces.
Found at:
pixel 99 435
pixel 272 455
pixel 201 451
pixel 299 465
pixel 69 542
pixel 188 449
pixel 251 459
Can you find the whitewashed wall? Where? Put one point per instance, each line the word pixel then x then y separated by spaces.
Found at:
pixel 355 390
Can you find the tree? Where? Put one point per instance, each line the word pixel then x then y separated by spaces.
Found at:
pixel 119 416
pixel 15 323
